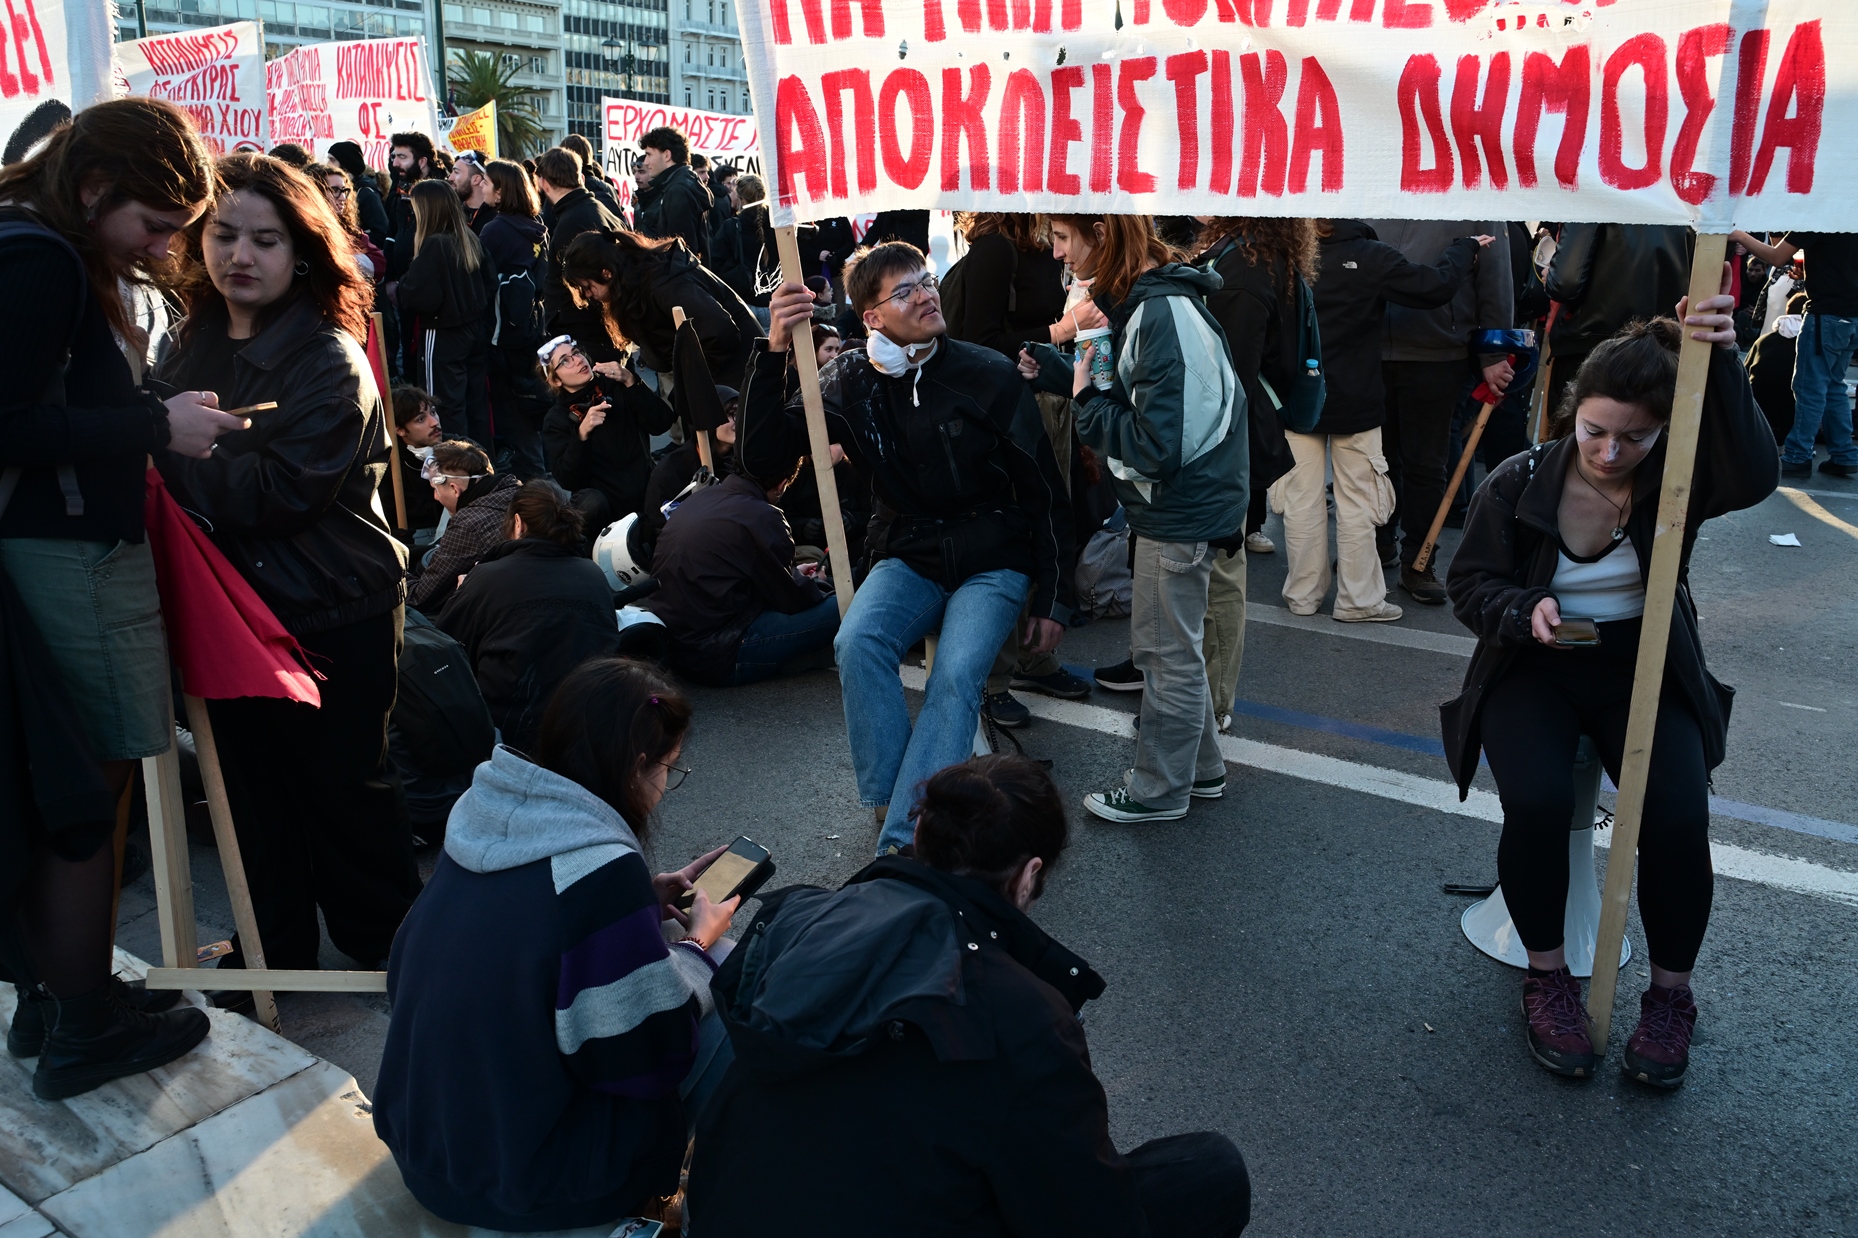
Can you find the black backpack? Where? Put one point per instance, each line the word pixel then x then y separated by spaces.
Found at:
pixel 440 729
pixel 519 312
pixel 1292 373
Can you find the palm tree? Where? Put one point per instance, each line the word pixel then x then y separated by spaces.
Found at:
pixel 479 77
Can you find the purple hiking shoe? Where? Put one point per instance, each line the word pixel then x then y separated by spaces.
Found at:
pixel 1659 1051
pixel 1557 1023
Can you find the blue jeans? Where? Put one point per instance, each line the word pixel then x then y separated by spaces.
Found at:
pixel 892 611
pixel 1823 352
pixel 774 638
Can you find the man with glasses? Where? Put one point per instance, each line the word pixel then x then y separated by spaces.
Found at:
pixel 970 526
pixel 474 189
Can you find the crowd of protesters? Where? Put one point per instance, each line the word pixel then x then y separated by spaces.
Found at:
pixel 542 474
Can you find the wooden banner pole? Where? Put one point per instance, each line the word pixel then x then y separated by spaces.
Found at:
pixel 219 807
pixel 818 442
pixel 168 856
pixel 1648 677
pixel 393 440
pixel 1451 491
pixel 704 455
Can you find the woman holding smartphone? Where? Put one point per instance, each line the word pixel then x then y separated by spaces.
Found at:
pixel 1561 534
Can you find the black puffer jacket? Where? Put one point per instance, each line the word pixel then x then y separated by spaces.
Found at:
pixel 293 502
pixel 961 470
pixel 1253 306
pixel 675 203
pixel 1607 275
pixel 675 279
pixel 528 614
pixel 1506 562
pixel 443 291
pixel 615 457
pixel 913 1018
pixel 578 211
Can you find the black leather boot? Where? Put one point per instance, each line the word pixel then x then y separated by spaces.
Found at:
pixel 27 1035
pixel 95 1038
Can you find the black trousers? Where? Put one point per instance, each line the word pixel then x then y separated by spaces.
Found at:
pixel 456 370
pixel 1533 719
pixel 321 822
pixel 1421 396
pixel 1192 1186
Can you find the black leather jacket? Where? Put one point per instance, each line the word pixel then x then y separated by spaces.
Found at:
pixel 1607 275
pixel 293 501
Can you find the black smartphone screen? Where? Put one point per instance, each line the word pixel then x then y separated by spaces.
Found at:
pixel 725 877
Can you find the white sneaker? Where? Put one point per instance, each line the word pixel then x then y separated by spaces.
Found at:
pixel 1384 612
pixel 1299 611
pixel 1259 544
pixel 1225 723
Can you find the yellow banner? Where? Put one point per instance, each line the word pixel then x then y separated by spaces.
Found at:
pixel 476 130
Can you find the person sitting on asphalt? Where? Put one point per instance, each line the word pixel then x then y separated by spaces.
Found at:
pixel 547 1050
pixel 917 1017
pixel 533 609
pixel 970 514
pixel 737 609
pixel 1559 535
pixel 416 426
pixel 476 498
pixel 598 436
pixel 676 468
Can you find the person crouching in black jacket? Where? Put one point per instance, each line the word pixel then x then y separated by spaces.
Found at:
pixel 598 436
pixel 275 310
pixel 1565 532
pixel 534 608
pixel 737 609
pixel 988 1098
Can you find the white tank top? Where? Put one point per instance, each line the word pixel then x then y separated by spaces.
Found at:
pixel 1603 588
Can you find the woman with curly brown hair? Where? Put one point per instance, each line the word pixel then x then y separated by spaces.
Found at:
pixel 276 310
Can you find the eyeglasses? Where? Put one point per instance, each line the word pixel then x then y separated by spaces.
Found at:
pixel 576 355
pixel 343 192
pixel 907 293
pixel 674 775
pixel 431 472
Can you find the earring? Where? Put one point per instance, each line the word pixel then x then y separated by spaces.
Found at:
pixel 303 266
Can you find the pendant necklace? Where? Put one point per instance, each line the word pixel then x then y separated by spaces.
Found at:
pixel 1619 530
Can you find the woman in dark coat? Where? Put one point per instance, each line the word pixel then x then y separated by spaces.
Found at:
pixel 276 309
pixel 449 287
pixel 1565 532
pixel 533 609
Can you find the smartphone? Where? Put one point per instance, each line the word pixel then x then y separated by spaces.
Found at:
pixel 638 1227
pixel 740 870
pixel 1577 633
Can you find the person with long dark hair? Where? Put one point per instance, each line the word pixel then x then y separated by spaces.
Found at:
pixel 518 243
pixel 341 191
pixel 448 286
pixel 276 311
pixel 548 1050
pixel 1564 532
pixel 100 203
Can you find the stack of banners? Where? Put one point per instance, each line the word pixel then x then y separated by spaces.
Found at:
pixel 54 58
pixel 1707 112
pixel 474 130
pixel 717 136
pixel 363 91
pixel 217 76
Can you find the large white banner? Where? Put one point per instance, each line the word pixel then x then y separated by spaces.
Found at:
pixel 217 76
pixel 1631 111
pixel 363 91
pixel 54 59
pixel 718 136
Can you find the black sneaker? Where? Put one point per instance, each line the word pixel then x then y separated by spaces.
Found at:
pixel 95 1038
pixel 1789 469
pixel 27 1034
pixel 1837 470
pixel 1005 711
pixel 1424 587
pixel 1123 677
pixel 1060 683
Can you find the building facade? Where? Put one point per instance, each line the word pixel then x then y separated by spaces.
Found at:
pixel 527 35
pixel 286 24
pixel 707 67
pixel 617 48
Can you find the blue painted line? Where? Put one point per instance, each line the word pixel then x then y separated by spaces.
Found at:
pixel 1337 726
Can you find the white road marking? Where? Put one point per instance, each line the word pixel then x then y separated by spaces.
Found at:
pixel 1789 704
pixel 1375 633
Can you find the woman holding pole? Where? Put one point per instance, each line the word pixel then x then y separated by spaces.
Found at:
pixel 1551 576
pixel 275 310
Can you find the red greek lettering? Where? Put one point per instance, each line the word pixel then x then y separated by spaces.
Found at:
pixel 1184 12
pixel 872 12
pixel 1406 15
pixel 935 29
pixel 810 10
pixel 1646 52
pixel 1566 89
pixel 832 86
pixel 1267 137
pixel 1130 178
pixel 38 40
pixel 1102 127
pixel 799 146
pixel 1067 131
pixel 1184 71
pixel 1799 83
pixel 1694 50
pixel 1473 122
pixel 1419 98
pixel 1022 104
pixel 1751 68
pixel 906 171
pixel 1220 180
pixel 961 115
pixel 1318 129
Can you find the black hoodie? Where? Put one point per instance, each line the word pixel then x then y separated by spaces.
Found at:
pixel 913 1021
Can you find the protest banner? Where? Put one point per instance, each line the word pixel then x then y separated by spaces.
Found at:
pixel 474 130
pixel 1708 112
pixel 216 76
pixel 54 59
pixel 718 136
pixel 363 91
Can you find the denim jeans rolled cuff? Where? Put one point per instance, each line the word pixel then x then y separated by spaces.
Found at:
pixel 1821 357
pixel 894 610
pixel 774 640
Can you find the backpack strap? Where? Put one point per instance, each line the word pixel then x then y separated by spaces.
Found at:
pixel 21 227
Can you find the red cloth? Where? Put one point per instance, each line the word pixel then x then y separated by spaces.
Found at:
pixel 220 633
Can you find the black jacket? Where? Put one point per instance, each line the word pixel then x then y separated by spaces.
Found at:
pixel 615 457
pixel 675 203
pixel 528 614
pixel 912 1019
pixel 105 428
pixel 578 211
pixel 423 509
pixel 1252 308
pixel 1360 275
pixel 669 477
pixel 724 558
pixel 911 227
pixel 600 187
pixel 1607 275
pixel 442 291
pixel 746 257
pixel 1005 297
pixel 517 242
pixel 962 473
pixel 724 323
pixel 1507 559
pixel 832 237
pixel 294 501
pixel 372 212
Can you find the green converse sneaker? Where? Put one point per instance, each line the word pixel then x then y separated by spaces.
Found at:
pixel 1116 805
pixel 1209 788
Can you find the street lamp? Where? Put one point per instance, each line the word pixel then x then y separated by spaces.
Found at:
pixel 612 44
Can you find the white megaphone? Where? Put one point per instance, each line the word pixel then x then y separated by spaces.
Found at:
pixel 1487 923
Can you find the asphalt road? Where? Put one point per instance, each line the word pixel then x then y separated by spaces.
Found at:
pixel 1283 966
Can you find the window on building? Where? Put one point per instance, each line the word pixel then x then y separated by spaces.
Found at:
pixel 481 16
pixel 687 53
pixel 687 101
pixel 533 23
pixel 506 20
pixel 454 12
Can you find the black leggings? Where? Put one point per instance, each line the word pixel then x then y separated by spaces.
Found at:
pixel 1533 719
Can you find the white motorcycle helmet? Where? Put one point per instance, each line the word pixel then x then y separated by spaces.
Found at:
pixel 613 556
